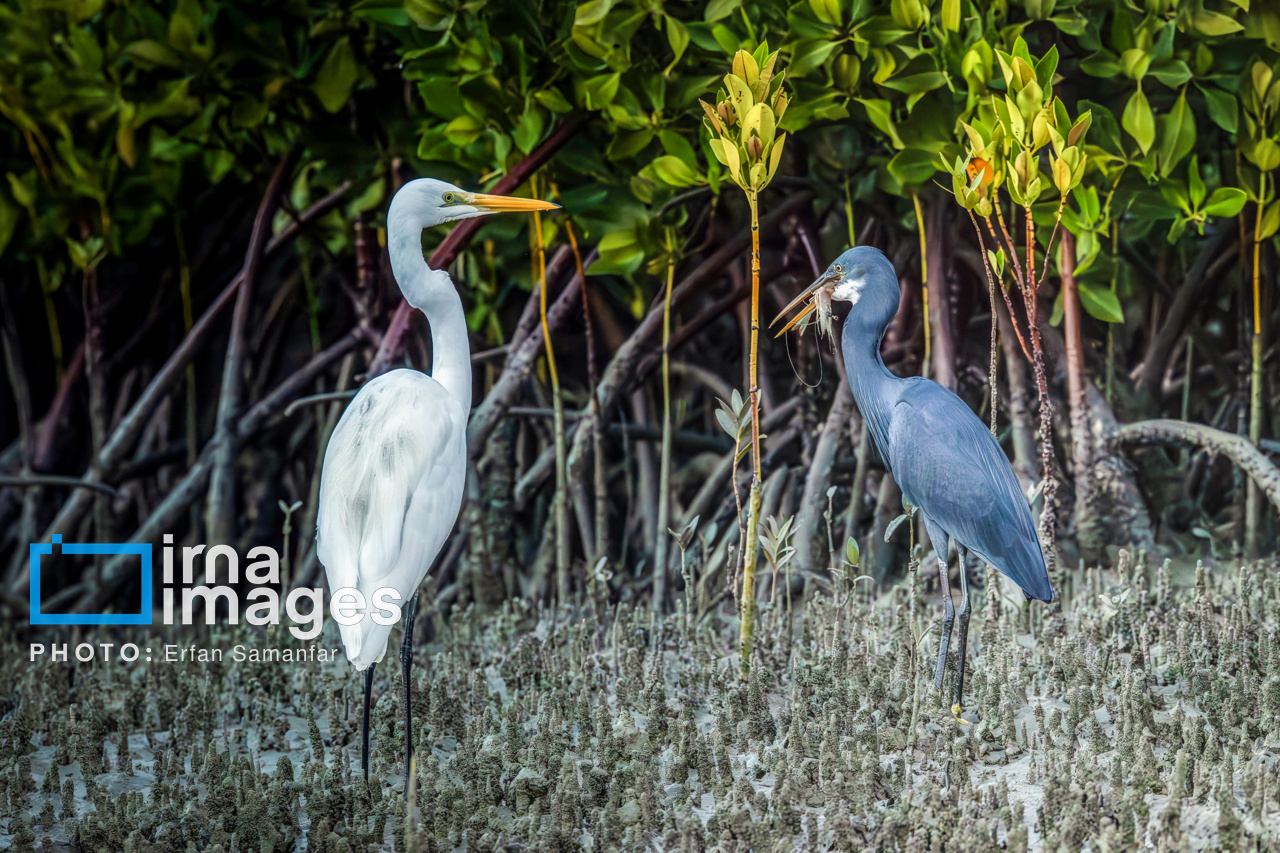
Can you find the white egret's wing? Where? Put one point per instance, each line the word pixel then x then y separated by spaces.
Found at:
pixel 396 430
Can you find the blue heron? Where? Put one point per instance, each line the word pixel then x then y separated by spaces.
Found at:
pixel 942 456
pixel 393 474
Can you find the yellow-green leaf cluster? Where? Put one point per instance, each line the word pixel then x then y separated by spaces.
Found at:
pixel 1259 141
pixel 743 124
pixel 1005 138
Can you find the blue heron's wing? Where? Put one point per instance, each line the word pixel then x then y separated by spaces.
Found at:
pixel 948 464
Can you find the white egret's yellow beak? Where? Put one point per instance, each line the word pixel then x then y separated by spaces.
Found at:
pixel 827 279
pixel 508 203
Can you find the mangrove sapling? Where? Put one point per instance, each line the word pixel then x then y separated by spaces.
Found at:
pixel 744 137
pixel 683 540
pixel 1002 142
pixel 775 541
pixel 1258 158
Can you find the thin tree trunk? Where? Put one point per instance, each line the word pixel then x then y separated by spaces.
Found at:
pixel 96 378
pixel 191 420
pixel 995 327
pixel 750 544
pixel 561 500
pixel 600 539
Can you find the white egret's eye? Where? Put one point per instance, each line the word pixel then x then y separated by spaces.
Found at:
pixel 450 197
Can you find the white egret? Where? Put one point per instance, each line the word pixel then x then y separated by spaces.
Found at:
pixel 394 470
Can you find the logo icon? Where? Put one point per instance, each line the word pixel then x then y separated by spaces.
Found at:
pixel 142 617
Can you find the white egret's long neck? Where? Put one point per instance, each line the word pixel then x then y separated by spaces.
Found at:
pixel 432 292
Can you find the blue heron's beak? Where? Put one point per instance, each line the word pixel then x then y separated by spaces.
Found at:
pixel 826 279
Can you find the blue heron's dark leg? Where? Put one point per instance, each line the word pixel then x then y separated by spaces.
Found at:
pixel 965 607
pixel 364 745
pixel 406 662
pixel 941 544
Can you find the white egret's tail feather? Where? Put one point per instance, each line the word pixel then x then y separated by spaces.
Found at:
pixel 352 641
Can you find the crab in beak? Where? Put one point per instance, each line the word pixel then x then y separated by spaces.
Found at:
pixel 819 296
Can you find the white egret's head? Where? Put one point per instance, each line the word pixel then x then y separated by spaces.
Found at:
pixel 432 202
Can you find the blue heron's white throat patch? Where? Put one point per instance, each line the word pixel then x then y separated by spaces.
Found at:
pixel 849 290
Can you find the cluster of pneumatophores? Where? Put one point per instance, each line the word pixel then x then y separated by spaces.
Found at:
pixel 1142 709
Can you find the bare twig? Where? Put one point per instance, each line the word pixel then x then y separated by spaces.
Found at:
pixel 318 399
pixel 29 480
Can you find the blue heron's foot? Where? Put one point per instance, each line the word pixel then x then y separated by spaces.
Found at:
pixel 955 712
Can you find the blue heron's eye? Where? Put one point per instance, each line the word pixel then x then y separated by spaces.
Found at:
pixel 450 198
pixel 839 269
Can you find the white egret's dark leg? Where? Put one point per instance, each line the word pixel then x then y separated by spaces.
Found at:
pixel 965 607
pixel 942 545
pixel 364 746
pixel 406 662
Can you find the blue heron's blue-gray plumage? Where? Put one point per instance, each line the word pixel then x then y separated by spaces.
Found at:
pixel 944 459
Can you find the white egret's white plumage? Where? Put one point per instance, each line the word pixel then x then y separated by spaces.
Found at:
pixel 393 475
pixel 394 470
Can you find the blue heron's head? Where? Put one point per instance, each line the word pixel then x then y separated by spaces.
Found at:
pixel 861 275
